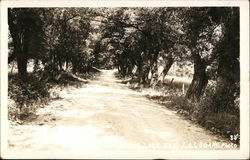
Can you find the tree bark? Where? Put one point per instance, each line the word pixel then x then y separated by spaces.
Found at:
pixel 229 66
pixel 13 33
pixel 170 62
pixel 22 61
pixel 223 100
pixel 21 37
pixel 199 81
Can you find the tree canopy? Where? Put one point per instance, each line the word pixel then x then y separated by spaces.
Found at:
pixel 139 42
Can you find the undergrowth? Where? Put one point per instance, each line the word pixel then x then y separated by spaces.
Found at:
pixel 27 94
pixel 225 124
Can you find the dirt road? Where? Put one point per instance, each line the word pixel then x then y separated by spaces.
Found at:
pixel 103 116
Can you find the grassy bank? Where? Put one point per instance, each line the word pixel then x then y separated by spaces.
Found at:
pixel 225 124
pixel 27 94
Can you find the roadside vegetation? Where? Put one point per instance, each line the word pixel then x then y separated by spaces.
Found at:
pixel 170 94
pixel 27 94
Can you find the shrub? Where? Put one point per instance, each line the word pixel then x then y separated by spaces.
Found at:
pixel 225 122
pixel 26 94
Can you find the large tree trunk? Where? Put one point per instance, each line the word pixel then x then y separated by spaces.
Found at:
pixel 22 53
pixel 199 81
pixel 229 67
pixel 74 68
pixel 167 67
pixel 20 38
pixel 170 62
pixel 13 33
pixel 228 77
pixel 154 75
pixel 140 73
pixel 22 64
pixel 144 74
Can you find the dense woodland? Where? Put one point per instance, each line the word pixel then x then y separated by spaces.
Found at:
pixel 142 43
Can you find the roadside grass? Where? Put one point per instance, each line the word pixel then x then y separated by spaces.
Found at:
pixel 225 124
pixel 26 95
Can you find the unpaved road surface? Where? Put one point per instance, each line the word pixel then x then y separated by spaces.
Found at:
pixel 103 116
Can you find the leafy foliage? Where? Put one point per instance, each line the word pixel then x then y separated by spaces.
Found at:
pixel 26 93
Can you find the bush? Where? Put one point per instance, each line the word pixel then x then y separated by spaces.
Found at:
pixel 25 95
pixel 225 122
pixel 222 98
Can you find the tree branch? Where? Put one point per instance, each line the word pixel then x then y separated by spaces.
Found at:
pixel 66 20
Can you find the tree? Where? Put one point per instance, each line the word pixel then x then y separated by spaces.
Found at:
pixel 25 26
pixel 199 39
pixel 138 35
pixel 228 59
pixel 66 32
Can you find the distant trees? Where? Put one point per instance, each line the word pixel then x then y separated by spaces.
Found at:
pixel 138 36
